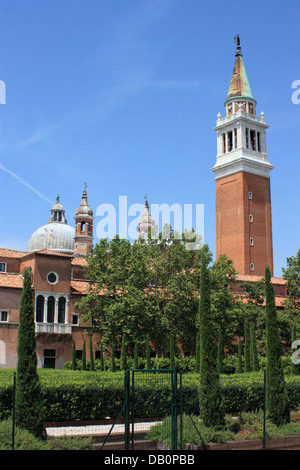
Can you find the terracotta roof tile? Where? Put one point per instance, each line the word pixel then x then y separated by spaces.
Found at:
pixel 52 253
pixel 278 300
pixel 79 287
pixel 254 278
pixel 11 280
pixel 79 261
pixel 7 253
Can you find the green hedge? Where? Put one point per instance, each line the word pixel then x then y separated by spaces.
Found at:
pixel 81 395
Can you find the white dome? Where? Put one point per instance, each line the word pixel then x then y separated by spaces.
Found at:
pixel 53 236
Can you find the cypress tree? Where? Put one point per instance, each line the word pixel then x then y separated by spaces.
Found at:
pixel 123 353
pixel 83 356
pixel 73 356
pixel 198 341
pixel 253 349
pixel 172 352
pixel 277 400
pixel 148 358
pixel 112 357
pixel 136 355
pixel 240 358
pixel 92 365
pixel 247 348
pixel 102 367
pixel 29 404
pixel 198 352
pixel 210 397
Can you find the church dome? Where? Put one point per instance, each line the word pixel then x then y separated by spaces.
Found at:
pixel 56 235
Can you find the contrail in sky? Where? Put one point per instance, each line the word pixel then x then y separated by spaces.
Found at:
pixel 24 182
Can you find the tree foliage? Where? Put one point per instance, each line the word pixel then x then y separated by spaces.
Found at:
pixel 292 275
pixel 277 401
pixel 210 396
pixel 145 287
pixel 29 404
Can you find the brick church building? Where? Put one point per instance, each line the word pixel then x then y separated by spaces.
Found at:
pixel 56 251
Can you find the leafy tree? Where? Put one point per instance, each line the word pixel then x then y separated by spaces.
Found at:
pixel 225 308
pixel 172 297
pixel 292 275
pixel 143 287
pixel 277 400
pixel 252 310
pixel 210 395
pixel 29 403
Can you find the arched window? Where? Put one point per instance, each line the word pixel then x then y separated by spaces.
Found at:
pixel 61 310
pixel 39 311
pixel 50 310
pixel 82 226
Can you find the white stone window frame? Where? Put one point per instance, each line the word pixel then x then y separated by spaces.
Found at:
pixel 57 278
pixel 6 310
pixel 46 296
pixel 5 267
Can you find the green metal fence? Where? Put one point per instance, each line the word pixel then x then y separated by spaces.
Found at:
pixel 152 398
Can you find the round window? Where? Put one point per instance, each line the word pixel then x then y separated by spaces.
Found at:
pixel 52 278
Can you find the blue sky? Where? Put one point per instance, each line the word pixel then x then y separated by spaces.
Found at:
pixel 124 94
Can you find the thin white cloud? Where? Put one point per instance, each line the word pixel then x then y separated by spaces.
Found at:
pixel 128 67
pixel 25 183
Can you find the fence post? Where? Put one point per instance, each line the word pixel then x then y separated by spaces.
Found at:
pixel 265 404
pixel 127 409
pixel 174 411
pixel 13 414
pixel 181 410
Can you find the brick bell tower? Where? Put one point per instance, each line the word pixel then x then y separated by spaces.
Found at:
pixel 242 175
pixel 83 241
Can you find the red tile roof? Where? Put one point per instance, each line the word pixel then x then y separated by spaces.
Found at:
pixel 7 253
pixel 79 261
pixel 254 278
pixel 278 300
pixel 79 287
pixel 11 280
